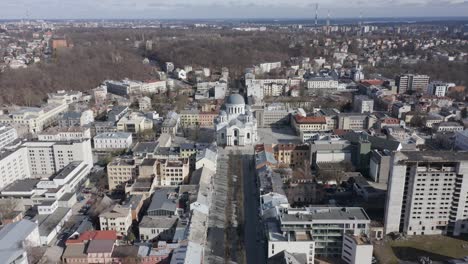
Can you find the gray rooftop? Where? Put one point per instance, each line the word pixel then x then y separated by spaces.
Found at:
pixel 145 147
pixel 24 185
pixel 113 135
pixel 48 222
pixel 162 201
pixel 71 115
pixel 12 235
pixel 63 173
pixel 158 221
pixel 100 246
pixel 436 156
pixel 325 213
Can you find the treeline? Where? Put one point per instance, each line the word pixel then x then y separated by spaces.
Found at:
pixel 82 68
pixel 456 72
pixel 235 50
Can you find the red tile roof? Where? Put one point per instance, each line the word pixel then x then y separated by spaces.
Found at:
pixel 391 121
pixel 372 82
pixel 94 235
pixel 310 119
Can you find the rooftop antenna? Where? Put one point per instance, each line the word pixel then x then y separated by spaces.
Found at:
pixel 360 19
pixel 316 14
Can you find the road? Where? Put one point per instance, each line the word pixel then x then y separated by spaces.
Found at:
pixel 254 240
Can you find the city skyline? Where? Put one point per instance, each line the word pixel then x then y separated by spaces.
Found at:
pixel 210 9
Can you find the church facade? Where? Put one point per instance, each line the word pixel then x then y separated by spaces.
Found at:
pixel 235 125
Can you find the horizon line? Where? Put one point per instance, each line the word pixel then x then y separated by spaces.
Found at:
pixel 246 18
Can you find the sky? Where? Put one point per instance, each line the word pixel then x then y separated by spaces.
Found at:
pixel 191 9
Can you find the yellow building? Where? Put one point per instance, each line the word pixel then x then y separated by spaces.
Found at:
pixel 120 171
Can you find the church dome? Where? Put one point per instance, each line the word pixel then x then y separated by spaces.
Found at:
pixel 235 99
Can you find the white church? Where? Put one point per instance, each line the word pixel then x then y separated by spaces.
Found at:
pixel 235 125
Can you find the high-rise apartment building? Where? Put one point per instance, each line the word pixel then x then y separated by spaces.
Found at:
pixel 427 193
pixel 13 165
pixel 410 82
pixel 46 158
pixel 7 135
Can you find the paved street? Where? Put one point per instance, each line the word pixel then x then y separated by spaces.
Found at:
pixel 253 234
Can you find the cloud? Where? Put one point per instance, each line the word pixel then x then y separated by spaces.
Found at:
pixel 227 8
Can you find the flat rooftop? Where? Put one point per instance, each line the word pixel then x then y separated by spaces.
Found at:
pixel 63 173
pixel 24 185
pixel 359 239
pixel 436 156
pixel 325 213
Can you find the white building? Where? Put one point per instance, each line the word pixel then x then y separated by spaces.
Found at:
pixel 174 172
pixel 69 119
pixel 268 66
pixel 7 135
pixel 206 158
pixel 363 104
pixel 357 249
pixel 448 127
pixel 427 193
pixel 134 123
pixel 35 118
pixel 144 103
pixel 65 133
pixel 118 218
pixel 325 83
pixel 461 140
pixel 63 96
pixel 315 231
pixel 49 194
pixel 15 238
pixel 236 126
pixel 439 89
pixel 46 158
pixel 13 165
pixel 171 123
pixel 113 141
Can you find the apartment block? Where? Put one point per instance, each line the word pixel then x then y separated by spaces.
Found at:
pixel 363 104
pixel 189 118
pixel 174 172
pixel 69 119
pixel 36 119
pixel 355 121
pixel 120 171
pixel 7 135
pixel 273 115
pixel 134 123
pixel 357 249
pixel 46 158
pixel 113 141
pixel 379 167
pixel 64 133
pixel 439 89
pixel 411 83
pixel 323 228
pixel 13 165
pixel 117 218
pixel 427 193
pixel 309 124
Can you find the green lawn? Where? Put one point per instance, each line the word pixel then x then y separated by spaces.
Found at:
pixel 435 247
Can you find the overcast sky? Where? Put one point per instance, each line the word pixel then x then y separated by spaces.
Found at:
pixel 166 9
